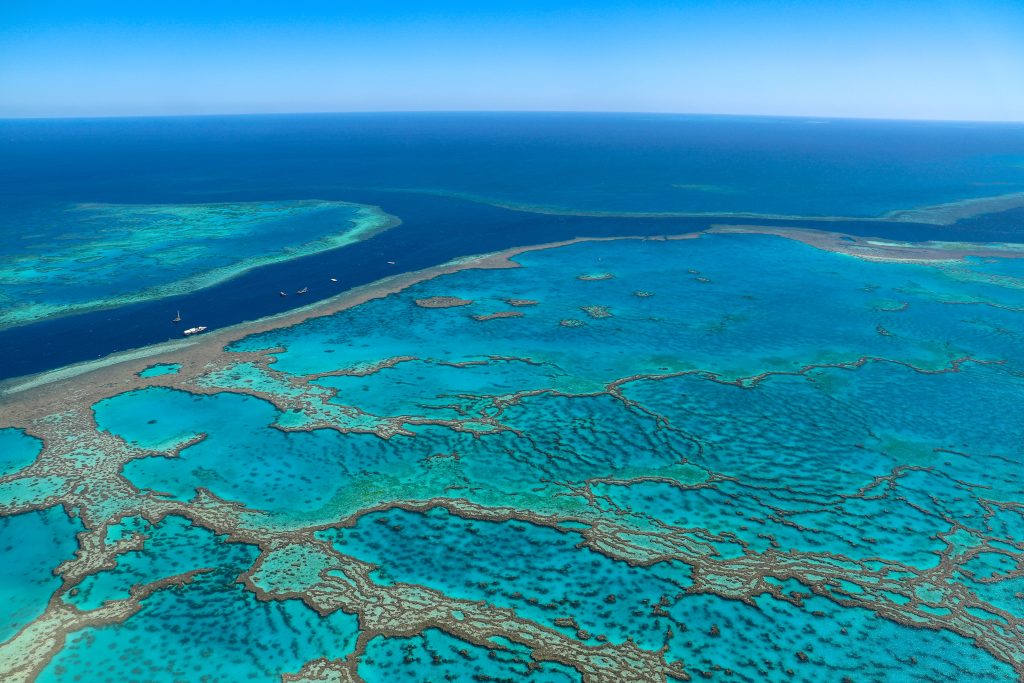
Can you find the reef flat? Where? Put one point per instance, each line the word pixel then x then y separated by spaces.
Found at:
pixel 879 249
pixel 945 214
pixel 725 472
pixel 92 256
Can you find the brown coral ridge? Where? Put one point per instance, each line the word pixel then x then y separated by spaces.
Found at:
pixel 873 248
pixel 498 315
pixel 597 312
pixel 442 302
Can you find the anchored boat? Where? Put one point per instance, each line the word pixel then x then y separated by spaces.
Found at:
pixel 194 330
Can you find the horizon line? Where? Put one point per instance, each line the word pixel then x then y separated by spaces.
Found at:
pixel 504 111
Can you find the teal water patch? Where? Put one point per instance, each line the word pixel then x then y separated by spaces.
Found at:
pixel 543 574
pixel 91 256
pixel 817 640
pixel 423 388
pixel 879 420
pixel 32 545
pixel 291 474
pixel 171 547
pixel 158 418
pixel 324 474
pixel 279 471
pixel 161 369
pixel 211 629
pixel 437 656
pixel 17 450
pixel 747 307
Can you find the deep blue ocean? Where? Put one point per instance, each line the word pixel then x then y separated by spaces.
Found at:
pixel 447 175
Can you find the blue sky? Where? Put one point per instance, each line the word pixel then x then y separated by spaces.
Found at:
pixel 940 59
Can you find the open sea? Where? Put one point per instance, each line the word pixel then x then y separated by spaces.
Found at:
pixel 786 449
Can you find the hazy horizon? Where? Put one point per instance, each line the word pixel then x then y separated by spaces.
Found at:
pixel 812 118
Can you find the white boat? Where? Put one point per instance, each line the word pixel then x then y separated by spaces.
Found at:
pixel 194 330
pixel 177 318
pixel 334 279
pixel 303 290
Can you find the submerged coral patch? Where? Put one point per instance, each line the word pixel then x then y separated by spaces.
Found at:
pixel 597 311
pixel 497 315
pixel 442 302
pixel 775 477
pixel 104 255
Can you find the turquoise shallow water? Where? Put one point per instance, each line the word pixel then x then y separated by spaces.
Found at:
pixel 514 565
pixel 435 656
pixel 745 308
pixel 33 544
pixel 17 450
pixel 210 630
pixel 161 369
pixel 280 471
pixel 736 457
pixel 545 578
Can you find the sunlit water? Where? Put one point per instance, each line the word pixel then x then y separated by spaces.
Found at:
pixel 735 457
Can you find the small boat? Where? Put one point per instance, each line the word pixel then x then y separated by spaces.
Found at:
pixel 282 294
pixel 334 279
pixel 303 290
pixel 177 318
pixel 391 263
pixel 194 330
